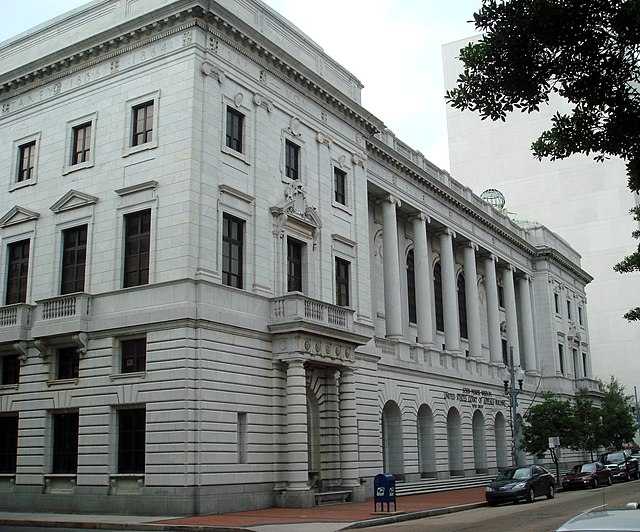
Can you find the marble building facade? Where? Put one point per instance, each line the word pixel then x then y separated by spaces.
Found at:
pixel 226 285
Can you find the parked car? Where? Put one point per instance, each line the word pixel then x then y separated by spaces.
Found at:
pixel 524 483
pixel 593 474
pixel 623 466
pixel 605 520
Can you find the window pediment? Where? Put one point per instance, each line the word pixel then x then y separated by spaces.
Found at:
pixel 17 215
pixel 73 200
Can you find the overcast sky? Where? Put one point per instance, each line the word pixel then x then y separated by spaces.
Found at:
pixel 392 46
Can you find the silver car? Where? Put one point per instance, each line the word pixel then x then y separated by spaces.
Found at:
pixel 605 520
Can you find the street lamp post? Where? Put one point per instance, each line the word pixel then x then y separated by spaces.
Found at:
pixel 510 390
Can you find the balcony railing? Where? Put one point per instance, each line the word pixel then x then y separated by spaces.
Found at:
pixel 62 314
pixel 297 307
pixel 15 321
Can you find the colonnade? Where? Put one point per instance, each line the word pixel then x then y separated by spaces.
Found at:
pixel 515 316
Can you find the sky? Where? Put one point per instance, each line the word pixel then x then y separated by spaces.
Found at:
pixel 394 47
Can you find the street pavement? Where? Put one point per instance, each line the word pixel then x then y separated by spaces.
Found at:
pixel 327 518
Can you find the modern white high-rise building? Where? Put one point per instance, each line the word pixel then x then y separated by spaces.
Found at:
pixel 225 285
pixel 584 201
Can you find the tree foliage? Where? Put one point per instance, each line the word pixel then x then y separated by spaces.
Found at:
pixel 587 52
pixel 553 417
pixel 618 426
pixel 587 426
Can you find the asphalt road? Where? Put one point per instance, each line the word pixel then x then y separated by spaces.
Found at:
pixel 540 516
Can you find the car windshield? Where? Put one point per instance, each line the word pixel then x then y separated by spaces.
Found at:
pixel 584 468
pixel 522 473
pixel 614 457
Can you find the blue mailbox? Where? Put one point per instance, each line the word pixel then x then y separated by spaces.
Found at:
pixel 384 486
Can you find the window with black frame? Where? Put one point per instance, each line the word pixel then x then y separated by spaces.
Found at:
pixel 133 355
pixel 235 129
pixel 17 272
pixel 131 440
pixel 74 258
pixel 65 442
pixel 8 443
pixel 232 250
pixel 342 282
pixel 136 248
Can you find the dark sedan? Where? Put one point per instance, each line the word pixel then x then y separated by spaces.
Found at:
pixel 524 483
pixel 587 475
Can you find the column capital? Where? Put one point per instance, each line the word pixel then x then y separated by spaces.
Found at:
pixel 446 231
pixel 420 217
pixel 471 245
pixel 490 257
pixel 389 198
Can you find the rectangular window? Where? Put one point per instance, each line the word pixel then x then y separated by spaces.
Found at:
pixel 81 143
pixel 232 250
pixel 136 248
pixel 568 309
pixel 500 296
pixel 134 355
pixel 10 369
pixel 561 357
pixel 65 442
pixel 576 364
pixel 142 124
pixel 292 160
pixel 580 316
pixel 556 301
pixel 18 272
pixel 294 265
pixel 74 258
pixel 505 355
pixel 584 364
pixel 26 161
pixel 339 186
pixel 8 443
pixel 131 440
pixel 342 282
pixel 235 124
pixel 411 287
pixel 68 363
pixel 242 437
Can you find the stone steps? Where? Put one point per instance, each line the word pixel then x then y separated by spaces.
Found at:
pixel 445 484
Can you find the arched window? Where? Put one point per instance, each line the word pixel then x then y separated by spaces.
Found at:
pixel 437 295
pixel 411 287
pixel 462 307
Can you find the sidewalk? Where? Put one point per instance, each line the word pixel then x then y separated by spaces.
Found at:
pixel 328 518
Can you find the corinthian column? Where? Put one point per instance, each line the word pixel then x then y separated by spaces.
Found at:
pixel 449 293
pixel 510 311
pixel 391 267
pixel 297 447
pixel 493 310
pixel 348 430
pixel 529 356
pixel 471 294
pixel 423 280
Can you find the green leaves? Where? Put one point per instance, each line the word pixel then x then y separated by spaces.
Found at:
pixel 586 52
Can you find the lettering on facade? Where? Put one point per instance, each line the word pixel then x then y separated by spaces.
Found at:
pixel 91 75
pixel 475 397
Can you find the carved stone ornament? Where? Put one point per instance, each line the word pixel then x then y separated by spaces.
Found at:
pixel 324 139
pixel 238 99
pixel 294 126
pixel 572 334
pixel 262 101
pixel 209 69
pixel 296 213
pixel 358 159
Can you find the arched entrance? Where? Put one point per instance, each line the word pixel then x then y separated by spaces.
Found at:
pixel 454 442
pixel 426 443
pixel 392 440
pixel 479 442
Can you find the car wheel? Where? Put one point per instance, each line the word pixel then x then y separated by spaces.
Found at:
pixel 609 481
pixel 636 475
pixel 552 492
pixel 627 476
pixel 493 504
pixel 596 484
pixel 531 495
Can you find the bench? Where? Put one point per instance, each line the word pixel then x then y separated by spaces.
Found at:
pixel 332 497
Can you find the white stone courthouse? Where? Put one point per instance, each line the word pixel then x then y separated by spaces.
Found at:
pixel 226 285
